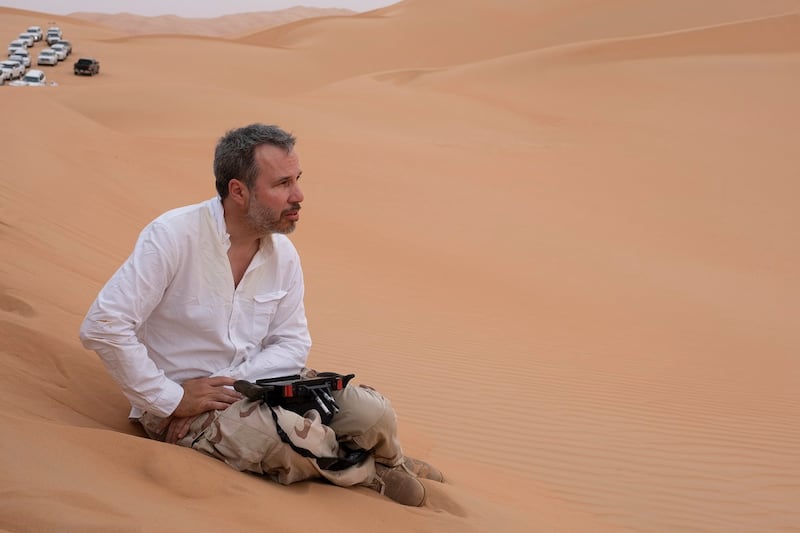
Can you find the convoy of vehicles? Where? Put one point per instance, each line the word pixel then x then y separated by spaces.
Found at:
pixel 56 50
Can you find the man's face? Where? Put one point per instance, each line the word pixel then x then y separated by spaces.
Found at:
pixel 274 205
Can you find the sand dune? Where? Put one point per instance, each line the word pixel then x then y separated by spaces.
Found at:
pixel 561 236
pixel 383 35
pixel 224 26
pixel 772 35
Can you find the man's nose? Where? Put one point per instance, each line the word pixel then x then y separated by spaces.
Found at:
pixel 296 195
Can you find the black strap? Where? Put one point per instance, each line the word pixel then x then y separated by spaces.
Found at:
pixel 353 457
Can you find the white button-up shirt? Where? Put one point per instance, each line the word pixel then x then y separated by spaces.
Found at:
pixel 172 313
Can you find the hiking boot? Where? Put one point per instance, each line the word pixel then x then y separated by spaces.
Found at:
pixel 398 484
pixel 423 469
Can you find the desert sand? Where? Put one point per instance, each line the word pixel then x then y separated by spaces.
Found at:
pixel 562 236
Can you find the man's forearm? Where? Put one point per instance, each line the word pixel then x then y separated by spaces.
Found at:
pixel 125 358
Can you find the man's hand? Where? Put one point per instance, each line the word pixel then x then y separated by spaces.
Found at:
pixel 199 396
pixel 205 394
pixel 178 428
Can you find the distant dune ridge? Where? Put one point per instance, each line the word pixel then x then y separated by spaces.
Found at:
pixel 562 237
pixel 223 26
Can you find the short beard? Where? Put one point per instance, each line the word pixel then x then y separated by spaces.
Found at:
pixel 264 222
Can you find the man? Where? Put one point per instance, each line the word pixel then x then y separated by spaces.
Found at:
pixel 213 293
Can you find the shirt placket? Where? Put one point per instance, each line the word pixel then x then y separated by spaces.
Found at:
pixel 242 307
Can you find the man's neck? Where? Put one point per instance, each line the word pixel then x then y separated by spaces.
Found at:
pixel 242 236
pixel 245 244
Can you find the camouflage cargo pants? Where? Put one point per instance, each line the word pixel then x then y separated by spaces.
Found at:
pixel 244 436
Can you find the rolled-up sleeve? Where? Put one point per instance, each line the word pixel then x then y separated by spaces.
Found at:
pixel 122 306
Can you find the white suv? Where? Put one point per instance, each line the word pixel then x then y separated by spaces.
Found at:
pixel 37 31
pixel 15 44
pixel 47 57
pixel 15 68
pixel 34 78
pixel 60 50
pixel 23 58
pixel 29 38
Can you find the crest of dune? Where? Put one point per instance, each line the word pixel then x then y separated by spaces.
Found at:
pixel 223 26
pixel 561 236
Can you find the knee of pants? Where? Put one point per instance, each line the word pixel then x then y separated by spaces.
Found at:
pixel 241 435
pixel 362 409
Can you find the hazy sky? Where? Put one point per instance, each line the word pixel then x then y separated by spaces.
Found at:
pixel 184 8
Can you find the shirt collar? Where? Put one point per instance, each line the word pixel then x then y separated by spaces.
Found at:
pixel 218 214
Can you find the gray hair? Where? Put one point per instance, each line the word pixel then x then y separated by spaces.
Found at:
pixel 234 157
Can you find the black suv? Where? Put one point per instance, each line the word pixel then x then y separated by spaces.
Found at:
pixel 87 65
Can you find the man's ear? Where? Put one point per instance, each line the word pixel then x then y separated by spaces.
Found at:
pixel 238 192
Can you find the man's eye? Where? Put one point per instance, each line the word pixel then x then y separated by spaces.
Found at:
pixel 287 182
